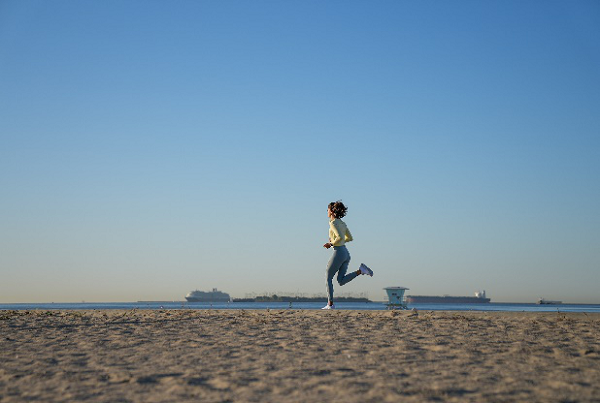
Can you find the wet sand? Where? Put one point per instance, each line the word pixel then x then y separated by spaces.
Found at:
pixel 298 356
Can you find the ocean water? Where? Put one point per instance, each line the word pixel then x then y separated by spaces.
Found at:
pixel 363 306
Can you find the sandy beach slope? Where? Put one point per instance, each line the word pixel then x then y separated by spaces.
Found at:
pixel 298 356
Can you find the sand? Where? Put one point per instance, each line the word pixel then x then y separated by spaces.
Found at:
pixel 298 356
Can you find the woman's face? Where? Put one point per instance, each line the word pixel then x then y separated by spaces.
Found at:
pixel 329 213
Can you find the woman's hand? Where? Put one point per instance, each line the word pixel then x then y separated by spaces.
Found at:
pixel 327 245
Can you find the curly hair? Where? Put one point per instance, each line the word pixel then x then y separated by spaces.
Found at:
pixel 338 209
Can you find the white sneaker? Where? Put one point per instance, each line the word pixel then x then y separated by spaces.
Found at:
pixel 365 270
pixel 328 307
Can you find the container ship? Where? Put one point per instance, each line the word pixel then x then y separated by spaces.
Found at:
pixel 288 298
pixel 543 301
pixel 479 298
pixel 208 296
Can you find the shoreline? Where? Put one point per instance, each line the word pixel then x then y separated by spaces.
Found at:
pixel 298 356
pixel 370 302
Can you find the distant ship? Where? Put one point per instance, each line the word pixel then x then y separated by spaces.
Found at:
pixel 479 298
pixel 543 301
pixel 208 296
pixel 289 298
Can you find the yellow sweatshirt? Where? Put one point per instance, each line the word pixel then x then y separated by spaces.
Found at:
pixel 339 233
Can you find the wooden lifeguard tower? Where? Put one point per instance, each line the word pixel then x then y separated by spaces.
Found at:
pixel 396 297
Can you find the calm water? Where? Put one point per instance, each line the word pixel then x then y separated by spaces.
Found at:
pixel 365 306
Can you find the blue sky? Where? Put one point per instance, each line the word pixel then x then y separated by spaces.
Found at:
pixel 150 148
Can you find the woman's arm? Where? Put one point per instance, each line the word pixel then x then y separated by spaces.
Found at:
pixel 348 237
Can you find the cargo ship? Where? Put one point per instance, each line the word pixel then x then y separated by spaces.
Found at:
pixel 543 301
pixel 289 298
pixel 208 296
pixel 479 298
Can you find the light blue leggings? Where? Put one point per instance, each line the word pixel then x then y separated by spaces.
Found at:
pixel 338 264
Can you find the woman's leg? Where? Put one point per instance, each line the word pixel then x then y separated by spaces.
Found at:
pixel 335 263
pixel 338 264
pixel 342 277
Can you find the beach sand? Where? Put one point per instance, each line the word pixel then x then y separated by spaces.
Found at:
pixel 298 356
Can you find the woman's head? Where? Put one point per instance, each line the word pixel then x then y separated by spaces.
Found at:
pixel 337 209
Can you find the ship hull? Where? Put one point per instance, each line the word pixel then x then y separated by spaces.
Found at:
pixel 544 302
pixel 425 299
pixel 192 299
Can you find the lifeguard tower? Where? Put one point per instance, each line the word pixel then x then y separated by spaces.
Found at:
pixel 396 297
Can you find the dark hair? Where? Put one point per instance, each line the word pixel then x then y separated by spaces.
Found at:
pixel 338 209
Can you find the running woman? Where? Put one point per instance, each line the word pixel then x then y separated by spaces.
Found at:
pixel 339 234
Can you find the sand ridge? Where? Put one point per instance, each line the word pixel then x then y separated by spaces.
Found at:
pixel 298 356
